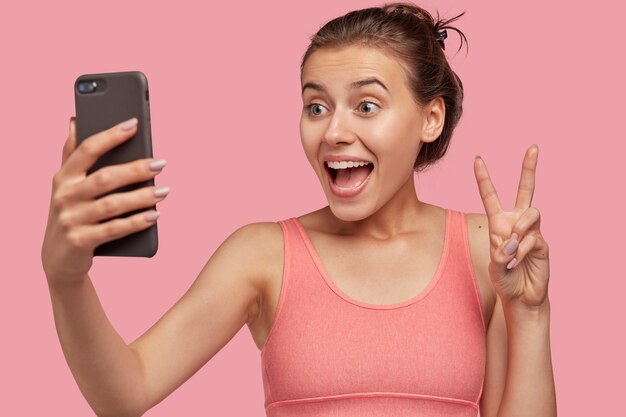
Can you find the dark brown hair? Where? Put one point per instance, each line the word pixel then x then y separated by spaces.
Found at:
pixel 411 34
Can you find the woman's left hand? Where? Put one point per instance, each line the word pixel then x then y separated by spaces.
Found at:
pixel 519 267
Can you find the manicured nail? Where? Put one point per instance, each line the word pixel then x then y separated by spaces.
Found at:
pixel 161 192
pixel 512 263
pixel 511 245
pixel 129 124
pixel 157 165
pixel 152 216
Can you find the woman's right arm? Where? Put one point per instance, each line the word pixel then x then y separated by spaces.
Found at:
pixel 117 378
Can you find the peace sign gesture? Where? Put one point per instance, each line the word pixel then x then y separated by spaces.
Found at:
pixel 519 267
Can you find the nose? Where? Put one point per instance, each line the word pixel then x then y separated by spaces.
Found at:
pixel 339 130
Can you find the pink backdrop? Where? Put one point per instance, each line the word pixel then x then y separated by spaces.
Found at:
pixel 225 101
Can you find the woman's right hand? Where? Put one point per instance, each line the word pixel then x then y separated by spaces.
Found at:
pixel 73 230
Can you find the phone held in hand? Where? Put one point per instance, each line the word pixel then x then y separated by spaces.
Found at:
pixel 102 101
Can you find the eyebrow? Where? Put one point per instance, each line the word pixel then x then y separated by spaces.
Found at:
pixel 356 84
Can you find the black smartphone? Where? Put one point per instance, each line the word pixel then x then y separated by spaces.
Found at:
pixel 102 101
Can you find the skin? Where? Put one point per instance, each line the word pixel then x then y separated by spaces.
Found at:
pixel 241 281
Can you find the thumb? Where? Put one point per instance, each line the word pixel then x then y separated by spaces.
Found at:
pixel 70 143
pixel 503 258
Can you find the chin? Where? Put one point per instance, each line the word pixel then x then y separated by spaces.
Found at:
pixel 350 212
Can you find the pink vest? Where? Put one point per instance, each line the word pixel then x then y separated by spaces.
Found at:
pixel 330 355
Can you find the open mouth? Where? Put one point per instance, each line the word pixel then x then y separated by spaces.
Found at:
pixel 347 175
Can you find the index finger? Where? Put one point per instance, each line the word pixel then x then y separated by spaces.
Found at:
pixel 88 152
pixel 70 143
pixel 526 187
pixel 487 191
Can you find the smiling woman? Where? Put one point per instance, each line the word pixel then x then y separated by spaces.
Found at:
pixel 376 304
pixel 412 37
pixel 365 113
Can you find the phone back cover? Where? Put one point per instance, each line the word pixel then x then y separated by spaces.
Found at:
pixel 119 97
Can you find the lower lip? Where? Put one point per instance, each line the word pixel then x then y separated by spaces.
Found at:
pixel 342 192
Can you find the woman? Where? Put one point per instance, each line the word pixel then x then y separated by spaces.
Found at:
pixel 379 303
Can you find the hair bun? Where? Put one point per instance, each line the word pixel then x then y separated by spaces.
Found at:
pixel 436 26
pixel 441 36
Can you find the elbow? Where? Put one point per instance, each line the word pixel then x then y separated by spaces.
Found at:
pixel 118 410
pixel 118 413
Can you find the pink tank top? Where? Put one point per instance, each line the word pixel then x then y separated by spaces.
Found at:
pixel 330 355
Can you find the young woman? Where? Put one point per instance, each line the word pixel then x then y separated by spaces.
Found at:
pixel 378 304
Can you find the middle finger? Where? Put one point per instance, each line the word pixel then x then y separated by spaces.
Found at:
pixel 526 187
pixel 113 205
pixel 112 177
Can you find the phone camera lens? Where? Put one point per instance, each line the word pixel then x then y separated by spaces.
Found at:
pixel 87 87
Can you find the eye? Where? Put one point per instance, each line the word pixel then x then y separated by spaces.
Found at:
pixel 368 107
pixel 315 109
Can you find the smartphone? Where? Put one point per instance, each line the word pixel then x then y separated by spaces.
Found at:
pixel 102 101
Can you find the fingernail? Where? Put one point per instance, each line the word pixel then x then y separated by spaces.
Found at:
pixel 161 192
pixel 477 157
pixel 158 164
pixel 511 264
pixel 152 216
pixel 129 124
pixel 511 245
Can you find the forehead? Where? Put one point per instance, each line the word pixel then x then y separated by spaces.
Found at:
pixel 346 64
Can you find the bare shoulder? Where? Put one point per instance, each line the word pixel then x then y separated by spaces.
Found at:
pixel 258 238
pixel 259 246
pixel 478 235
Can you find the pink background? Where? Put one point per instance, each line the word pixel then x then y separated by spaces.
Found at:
pixel 225 100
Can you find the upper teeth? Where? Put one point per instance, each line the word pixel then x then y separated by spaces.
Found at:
pixel 345 164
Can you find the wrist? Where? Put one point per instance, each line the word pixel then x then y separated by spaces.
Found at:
pixel 518 311
pixel 59 284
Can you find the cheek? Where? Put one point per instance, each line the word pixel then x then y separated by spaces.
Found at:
pixel 395 140
pixel 309 142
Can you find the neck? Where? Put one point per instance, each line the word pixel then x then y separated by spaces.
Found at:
pixel 402 214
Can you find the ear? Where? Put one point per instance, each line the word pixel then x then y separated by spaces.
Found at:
pixel 434 117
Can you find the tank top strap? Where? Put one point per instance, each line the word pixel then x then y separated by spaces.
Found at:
pixel 299 270
pixel 296 252
pixel 460 260
pixel 457 234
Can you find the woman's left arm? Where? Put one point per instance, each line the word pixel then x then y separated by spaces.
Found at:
pixel 519 271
